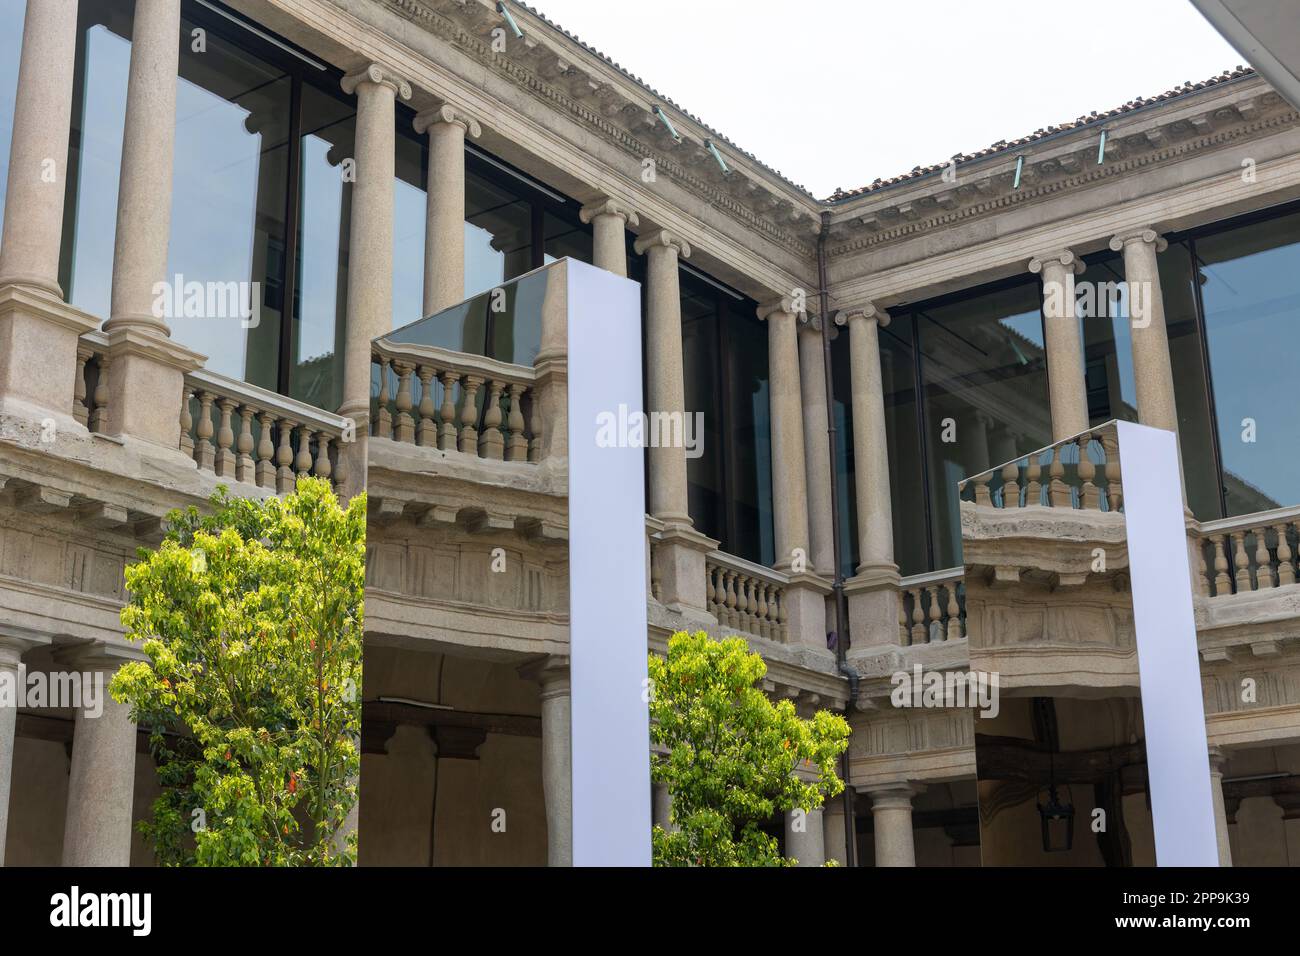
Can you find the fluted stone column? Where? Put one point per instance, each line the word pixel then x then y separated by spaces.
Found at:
pixel 370 248
pixel 679 555
pixel 817 448
pixel 891 811
pixel 557 760
pixel 1069 394
pixel 872 593
pixel 609 221
pixel 444 232
pixel 101 783
pixel 38 332
pixel 12 648
pixel 1218 760
pixel 1152 372
pixel 804 837
pixel 148 368
pixel 833 831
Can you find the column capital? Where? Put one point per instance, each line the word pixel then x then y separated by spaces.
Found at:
pixel 605 206
pixel 1065 257
pixel 1218 760
pixel 893 796
pixel 810 322
pixel 552 672
pixel 866 311
pixel 378 75
pixel 1144 234
pixel 445 112
pixel 14 643
pixel 781 305
pixel 662 237
pixel 98 656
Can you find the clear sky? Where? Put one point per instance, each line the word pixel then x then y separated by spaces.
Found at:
pixel 837 92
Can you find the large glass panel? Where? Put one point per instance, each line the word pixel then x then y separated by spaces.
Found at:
pixel 748 436
pixel 1250 288
pixel 845 461
pixel 1186 356
pixel 11 43
pixel 906 484
pixel 1101 306
pixel 985 392
pixel 498 234
pixel 702 366
pixel 95 153
pixel 229 194
pixel 563 237
pixel 324 220
pixel 409 215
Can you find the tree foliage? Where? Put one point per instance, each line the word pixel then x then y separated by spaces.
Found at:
pixel 732 754
pixel 251 620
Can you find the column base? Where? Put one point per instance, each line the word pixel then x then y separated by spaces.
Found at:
pixel 678 554
pixel 38 355
pixel 872 596
pixel 146 380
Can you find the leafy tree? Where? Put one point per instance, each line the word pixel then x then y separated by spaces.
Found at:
pixel 732 754
pixel 251 618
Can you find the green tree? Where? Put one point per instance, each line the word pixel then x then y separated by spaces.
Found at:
pixel 251 620
pixel 732 754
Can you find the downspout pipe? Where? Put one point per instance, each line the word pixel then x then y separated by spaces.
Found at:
pixel 837 544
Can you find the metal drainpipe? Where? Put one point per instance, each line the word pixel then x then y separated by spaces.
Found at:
pixel 837 584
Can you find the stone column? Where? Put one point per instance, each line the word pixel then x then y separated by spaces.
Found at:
pixel 609 220
pixel 38 332
pixel 101 784
pixel 370 247
pixel 891 811
pixel 872 592
pixel 804 836
pixel 557 759
pixel 679 556
pixel 817 447
pixel 1219 760
pixel 444 231
pixel 1152 372
pixel 789 488
pixel 148 368
pixel 1069 394
pixel 12 648
pixel 833 831
pixel 661 806
pixel 666 386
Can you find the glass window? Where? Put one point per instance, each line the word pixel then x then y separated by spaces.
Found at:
pixel 1251 297
pixel 498 234
pixel 410 212
pixel 324 222
pixel 562 237
pixel 845 463
pixel 906 479
pixel 703 377
pixel 1102 309
pixel 985 399
pixel 1191 394
pixel 11 45
pixel 229 189
pixel 747 434
pixel 95 153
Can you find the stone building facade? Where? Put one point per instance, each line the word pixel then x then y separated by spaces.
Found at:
pixel 351 166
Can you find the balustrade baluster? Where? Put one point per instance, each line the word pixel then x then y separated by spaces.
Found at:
pixel 447 430
pixel 954 612
pixel 265 470
pixel 405 423
pixel 323 468
pixel 284 458
pixel 187 422
pixel 1059 494
pixel 1034 481
pixel 244 445
pixel 1222 582
pixel 428 432
pixel 490 443
pixel 383 417
pixel 1089 493
pixel 302 461
pixel 1114 490
pixel 904 620
pixel 1285 569
pixel 79 410
pixel 99 415
pixel 469 415
pixel 205 453
pixel 517 445
pixel 934 633
pixel 1263 566
pixel 918 617
pixel 1010 485
pixel 1242 562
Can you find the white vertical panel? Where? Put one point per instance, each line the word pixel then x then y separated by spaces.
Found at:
pixel 1173 714
pixel 607 577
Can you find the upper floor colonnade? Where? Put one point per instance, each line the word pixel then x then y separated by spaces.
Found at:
pixel 366 247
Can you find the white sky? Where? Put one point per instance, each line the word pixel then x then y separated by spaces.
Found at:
pixel 892 84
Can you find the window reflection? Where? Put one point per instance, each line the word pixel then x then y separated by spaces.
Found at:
pixel 1248 285
pixel 11 43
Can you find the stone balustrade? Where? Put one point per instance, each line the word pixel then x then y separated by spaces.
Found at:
pixel 746 597
pixel 931 608
pixel 456 402
pixel 1081 472
pixel 1249 553
pixel 248 435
